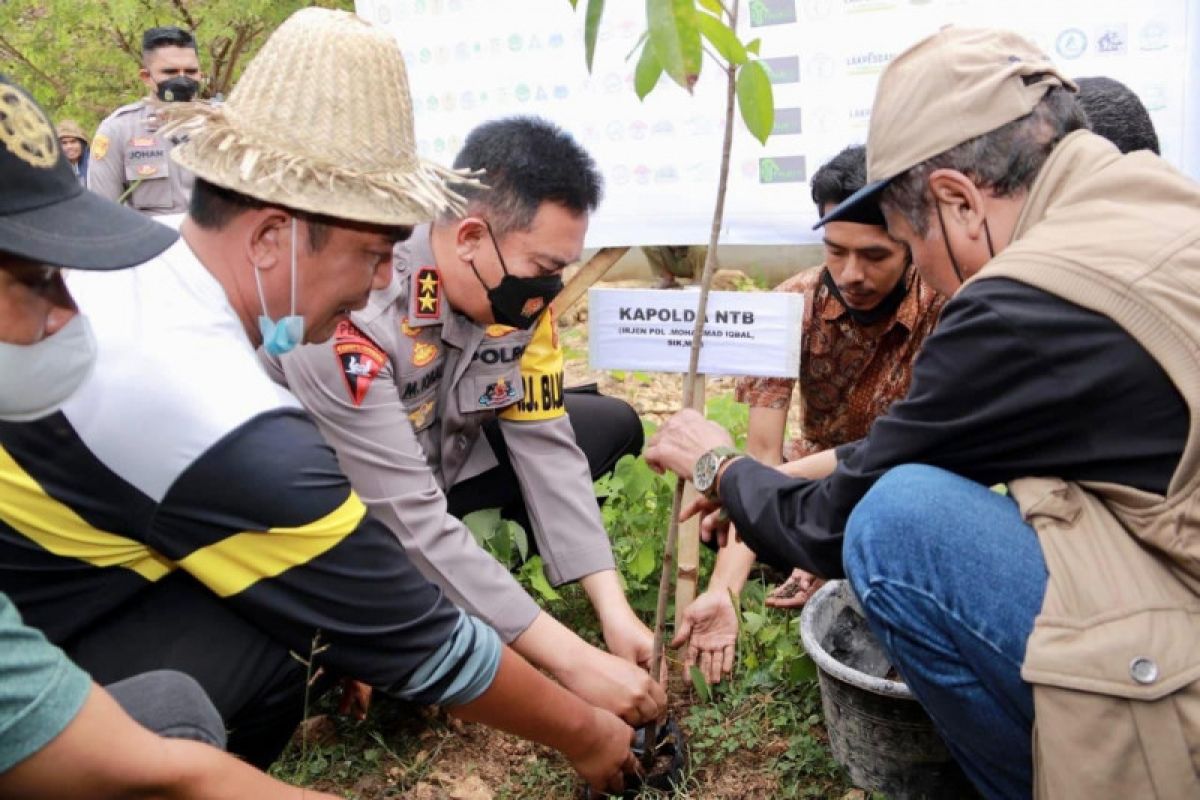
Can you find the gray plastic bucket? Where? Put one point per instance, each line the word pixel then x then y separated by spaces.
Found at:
pixel 877 729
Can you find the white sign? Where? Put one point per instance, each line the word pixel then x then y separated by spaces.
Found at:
pixel 746 333
pixel 475 60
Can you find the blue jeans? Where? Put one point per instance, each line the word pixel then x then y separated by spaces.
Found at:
pixel 951 579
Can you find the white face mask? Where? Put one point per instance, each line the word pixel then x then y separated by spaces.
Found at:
pixel 36 379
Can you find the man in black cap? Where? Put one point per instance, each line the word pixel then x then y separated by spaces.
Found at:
pixel 64 736
pixel 129 160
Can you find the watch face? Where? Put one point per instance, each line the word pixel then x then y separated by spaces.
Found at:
pixel 705 472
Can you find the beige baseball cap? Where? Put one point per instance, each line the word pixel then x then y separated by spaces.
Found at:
pixel 955 85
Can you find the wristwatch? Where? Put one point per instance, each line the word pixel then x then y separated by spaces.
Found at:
pixel 708 466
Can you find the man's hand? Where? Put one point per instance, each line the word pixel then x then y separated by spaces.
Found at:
pixel 356 699
pixel 603 756
pixel 796 590
pixel 709 628
pixel 681 441
pixel 616 685
pixel 629 638
pixel 715 525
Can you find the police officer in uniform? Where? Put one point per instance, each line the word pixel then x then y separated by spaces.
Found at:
pixel 445 395
pixel 129 160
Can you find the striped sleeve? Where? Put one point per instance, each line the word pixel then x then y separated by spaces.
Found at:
pixel 265 519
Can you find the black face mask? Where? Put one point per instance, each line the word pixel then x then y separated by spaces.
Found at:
pixel 518 302
pixel 180 89
pixel 870 316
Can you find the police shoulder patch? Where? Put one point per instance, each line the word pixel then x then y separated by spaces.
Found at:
pixel 99 147
pixel 541 374
pixel 360 359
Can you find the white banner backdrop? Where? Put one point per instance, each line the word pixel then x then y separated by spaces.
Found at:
pixel 473 60
pixel 745 333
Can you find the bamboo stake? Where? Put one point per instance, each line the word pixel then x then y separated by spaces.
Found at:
pixel 595 268
pixel 688 552
pixel 689 386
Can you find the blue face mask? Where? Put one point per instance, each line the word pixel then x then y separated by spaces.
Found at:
pixel 282 335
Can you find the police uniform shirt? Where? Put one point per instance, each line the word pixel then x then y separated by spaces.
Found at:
pixel 401 393
pixel 128 151
pixel 179 455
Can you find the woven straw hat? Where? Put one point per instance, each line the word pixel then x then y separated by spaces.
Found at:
pixel 321 121
pixel 69 127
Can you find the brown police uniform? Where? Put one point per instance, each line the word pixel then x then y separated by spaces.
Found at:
pixel 403 392
pixel 129 151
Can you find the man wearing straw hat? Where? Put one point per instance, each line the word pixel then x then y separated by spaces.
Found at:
pixel 154 734
pixel 1068 352
pixel 408 393
pixel 183 511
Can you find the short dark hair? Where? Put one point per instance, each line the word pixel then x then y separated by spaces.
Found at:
pixel 527 161
pixel 212 207
pixel 840 177
pixel 166 36
pixel 1115 112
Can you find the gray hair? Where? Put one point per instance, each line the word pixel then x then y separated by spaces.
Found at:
pixel 1005 161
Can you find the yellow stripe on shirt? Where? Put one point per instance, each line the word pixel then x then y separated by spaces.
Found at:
pixel 26 508
pixel 237 562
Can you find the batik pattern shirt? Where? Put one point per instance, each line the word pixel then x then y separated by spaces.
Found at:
pixel 849 373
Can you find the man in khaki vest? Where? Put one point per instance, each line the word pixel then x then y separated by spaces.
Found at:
pixel 129 160
pixel 1068 352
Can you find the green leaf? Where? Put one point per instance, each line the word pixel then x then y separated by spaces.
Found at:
pixel 535 576
pixel 501 545
pixel 644 559
pixel 520 538
pixel 675 39
pixel 722 38
pixel 573 2
pixel 713 5
pixel 752 622
pixel 482 524
pixel 803 669
pixel 703 690
pixel 756 101
pixel 753 46
pixel 591 27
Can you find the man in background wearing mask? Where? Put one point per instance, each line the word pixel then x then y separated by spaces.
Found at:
pixel 65 736
pixel 866 314
pixel 181 511
pixel 445 395
pixel 129 160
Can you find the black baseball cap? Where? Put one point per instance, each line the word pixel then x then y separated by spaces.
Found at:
pixel 45 215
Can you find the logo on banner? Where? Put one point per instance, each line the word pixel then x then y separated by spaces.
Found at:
pixel 783 169
pixel 870 63
pixel 1154 36
pixel 1071 43
pixel 1112 40
pixel 772 12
